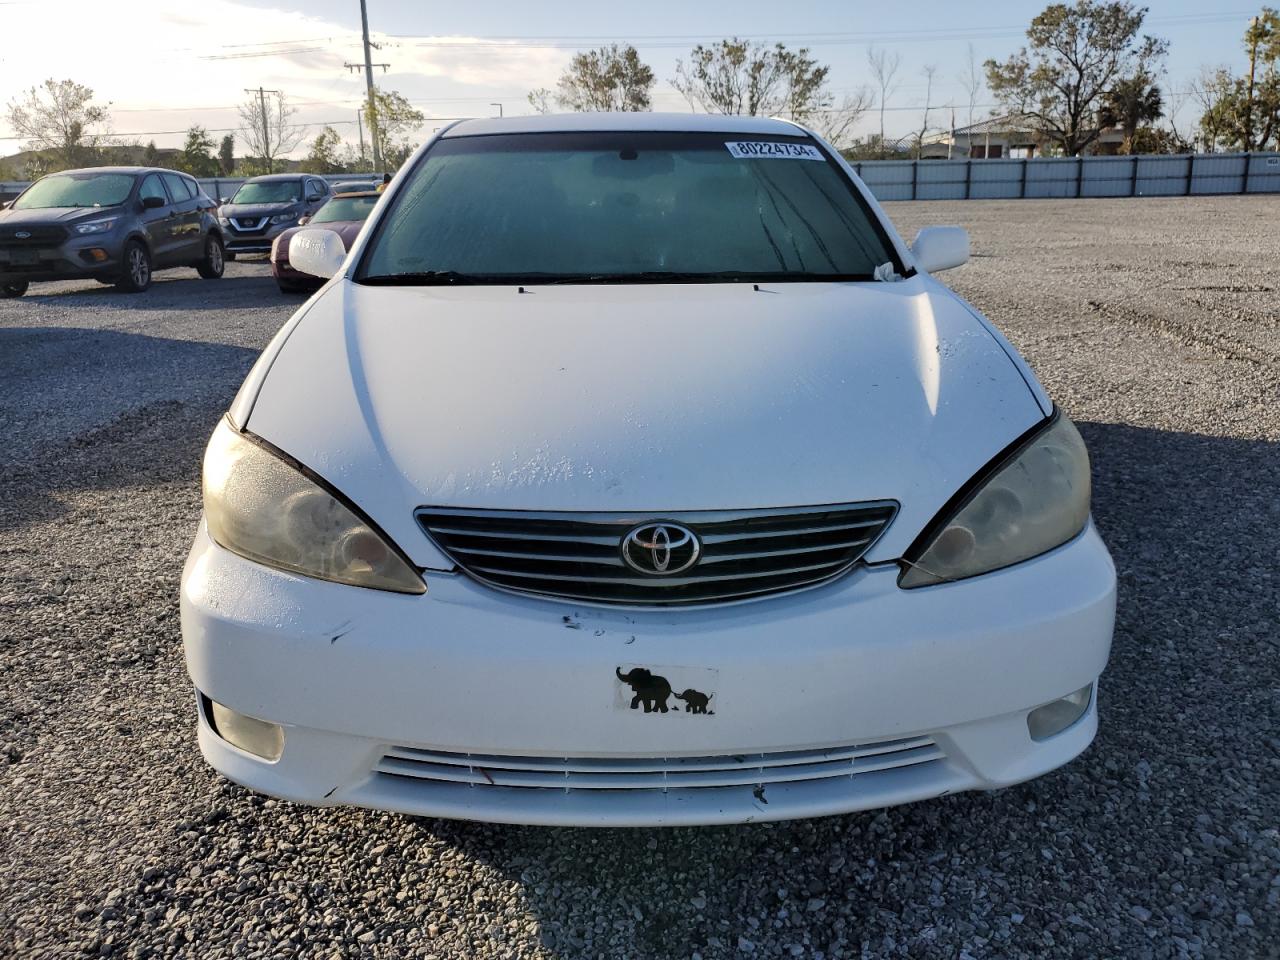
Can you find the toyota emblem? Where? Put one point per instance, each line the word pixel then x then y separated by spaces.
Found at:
pixel 660 548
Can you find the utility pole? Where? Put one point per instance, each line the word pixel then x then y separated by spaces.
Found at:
pixel 360 128
pixel 499 106
pixel 369 86
pixel 266 129
pixel 1254 36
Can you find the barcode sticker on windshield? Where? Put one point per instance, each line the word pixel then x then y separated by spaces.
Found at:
pixel 771 150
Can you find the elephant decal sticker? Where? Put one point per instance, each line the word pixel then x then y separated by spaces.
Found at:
pixel 651 691
pixel 695 701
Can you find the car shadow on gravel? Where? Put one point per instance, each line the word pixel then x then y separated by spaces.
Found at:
pixel 166 293
pixel 99 409
pixel 1194 654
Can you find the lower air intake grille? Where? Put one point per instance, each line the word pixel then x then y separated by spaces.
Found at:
pixel 683 773
pixel 735 553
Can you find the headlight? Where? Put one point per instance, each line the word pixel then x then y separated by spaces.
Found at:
pixel 95 226
pixel 1035 500
pixel 284 218
pixel 267 510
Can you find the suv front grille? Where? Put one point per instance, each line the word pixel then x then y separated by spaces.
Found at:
pixel 744 553
pixel 37 235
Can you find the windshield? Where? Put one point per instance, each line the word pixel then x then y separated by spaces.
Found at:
pixel 625 207
pixel 77 190
pixel 269 191
pixel 344 208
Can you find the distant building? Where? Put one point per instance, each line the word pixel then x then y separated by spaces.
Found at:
pixel 1011 137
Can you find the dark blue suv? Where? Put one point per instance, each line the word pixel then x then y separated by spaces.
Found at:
pixel 112 224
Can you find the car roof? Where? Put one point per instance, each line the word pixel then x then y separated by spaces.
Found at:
pixel 357 193
pixel 281 176
pixel 132 171
pixel 629 122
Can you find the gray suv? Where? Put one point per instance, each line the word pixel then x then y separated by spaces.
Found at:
pixel 265 207
pixel 112 224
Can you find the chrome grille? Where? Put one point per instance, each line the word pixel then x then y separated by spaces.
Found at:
pixel 745 553
pixel 677 773
pixel 249 224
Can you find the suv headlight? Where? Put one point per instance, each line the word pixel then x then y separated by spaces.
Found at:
pixel 265 509
pixel 95 226
pixel 1036 499
pixel 284 218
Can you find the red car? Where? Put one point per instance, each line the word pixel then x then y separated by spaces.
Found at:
pixel 344 214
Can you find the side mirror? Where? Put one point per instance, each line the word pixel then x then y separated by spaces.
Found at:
pixel 314 198
pixel 152 203
pixel 320 253
pixel 224 200
pixel 940 248
pixel 303 220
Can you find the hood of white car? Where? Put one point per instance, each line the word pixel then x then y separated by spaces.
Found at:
pixel 647 399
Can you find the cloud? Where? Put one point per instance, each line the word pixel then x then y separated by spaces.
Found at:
pixel 164 67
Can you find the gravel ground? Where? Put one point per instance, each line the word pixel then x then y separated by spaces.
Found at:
pixel 1153 322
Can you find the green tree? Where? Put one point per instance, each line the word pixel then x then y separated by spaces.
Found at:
pixel 1243 113
pixel 396 119
pixel 150 155
pixel 1132 103
pixel 326 153
pixel 611 78
pixel 740 77
pixel 60 120
pixel 196 158
pixel 227 155
pixel 1076 55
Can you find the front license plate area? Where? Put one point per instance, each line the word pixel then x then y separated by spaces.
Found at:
pixel 24 258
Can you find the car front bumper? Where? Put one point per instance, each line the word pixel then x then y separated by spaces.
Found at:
pixel 258 241
pixel 71 260
pixel 486 679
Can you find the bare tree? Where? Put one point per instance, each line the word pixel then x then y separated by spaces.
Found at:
pixel 835 124
pixel 267 127
pixel 884 68
pixel 59 117
pixel 972 81
pixel 1209 90
pixel 928 74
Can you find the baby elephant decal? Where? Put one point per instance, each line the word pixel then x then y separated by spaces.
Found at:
pixel 649 689
pixel 695 701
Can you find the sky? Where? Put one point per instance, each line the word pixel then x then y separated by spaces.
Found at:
pixel 164 66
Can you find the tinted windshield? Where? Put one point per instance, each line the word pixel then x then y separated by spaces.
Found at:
pixel 625 207
pixel 269 191
pixel 344 208
pixel 77 190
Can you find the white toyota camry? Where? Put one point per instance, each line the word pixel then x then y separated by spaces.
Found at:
pixel 630 469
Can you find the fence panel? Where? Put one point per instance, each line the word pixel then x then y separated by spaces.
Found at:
pixel 995 179
pixel 1201 174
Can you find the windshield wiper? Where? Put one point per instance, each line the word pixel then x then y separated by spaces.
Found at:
pixel 707 276
pixel 427 278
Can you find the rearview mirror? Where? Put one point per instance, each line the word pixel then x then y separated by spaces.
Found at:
pixel 320 253
pixel 940 248
pixel 152 203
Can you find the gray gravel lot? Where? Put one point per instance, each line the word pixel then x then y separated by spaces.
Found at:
pixel 1154 323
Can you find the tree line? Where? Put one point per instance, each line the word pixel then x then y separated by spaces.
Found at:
pixel 1086 68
